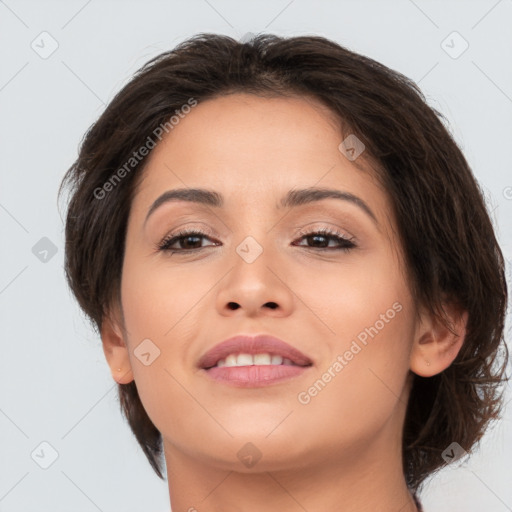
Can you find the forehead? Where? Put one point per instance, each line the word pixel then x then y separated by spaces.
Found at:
pixel 253 148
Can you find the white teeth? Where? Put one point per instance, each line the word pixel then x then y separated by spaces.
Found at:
pixel 244 360
pixel 230 360
pixel 277 360
pixel 262 359
pixel 256 359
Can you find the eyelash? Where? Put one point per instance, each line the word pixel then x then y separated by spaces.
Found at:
pixel 348 243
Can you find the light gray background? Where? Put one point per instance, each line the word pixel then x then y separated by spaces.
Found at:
pixel 55 385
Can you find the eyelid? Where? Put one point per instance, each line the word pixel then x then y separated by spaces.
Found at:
pixel 321 226
pixel 191 226
pixel 299 231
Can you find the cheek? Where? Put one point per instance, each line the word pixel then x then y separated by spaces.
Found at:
pixel 369 313
pixel 353 295
pixel 156 297
pixel 358 389
pixel 158 305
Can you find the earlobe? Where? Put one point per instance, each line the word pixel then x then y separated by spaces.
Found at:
pixel 435 345
pixel 115 349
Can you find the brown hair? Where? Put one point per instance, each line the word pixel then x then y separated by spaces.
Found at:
pixel 450 249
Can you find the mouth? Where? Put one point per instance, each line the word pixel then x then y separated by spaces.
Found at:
pixel 253 361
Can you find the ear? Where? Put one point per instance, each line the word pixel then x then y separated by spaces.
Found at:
pixel 435 346
pixel 115 347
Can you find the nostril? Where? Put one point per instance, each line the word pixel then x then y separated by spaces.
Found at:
pixel 234 305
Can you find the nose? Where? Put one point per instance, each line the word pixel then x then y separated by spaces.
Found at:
pixel 255 287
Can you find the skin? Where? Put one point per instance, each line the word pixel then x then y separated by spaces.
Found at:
pixel 341 450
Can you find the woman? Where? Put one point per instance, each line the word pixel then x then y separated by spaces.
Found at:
pixel 293 273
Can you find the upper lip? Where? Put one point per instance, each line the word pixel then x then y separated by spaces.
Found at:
pixel 247 344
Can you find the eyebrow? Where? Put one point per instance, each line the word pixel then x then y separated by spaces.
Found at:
pixel 294 198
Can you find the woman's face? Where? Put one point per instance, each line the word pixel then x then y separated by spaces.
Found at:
pixel 344 303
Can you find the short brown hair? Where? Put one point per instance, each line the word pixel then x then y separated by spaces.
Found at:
pixel 448 240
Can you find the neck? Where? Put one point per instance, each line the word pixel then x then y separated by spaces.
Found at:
pixel 365 478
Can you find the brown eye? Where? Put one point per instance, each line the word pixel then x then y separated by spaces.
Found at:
pixel 187 240
pixel 321 238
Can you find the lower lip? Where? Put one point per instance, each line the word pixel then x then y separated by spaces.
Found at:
pixel 255 375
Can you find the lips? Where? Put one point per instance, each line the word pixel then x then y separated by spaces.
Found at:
pixel 261 344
